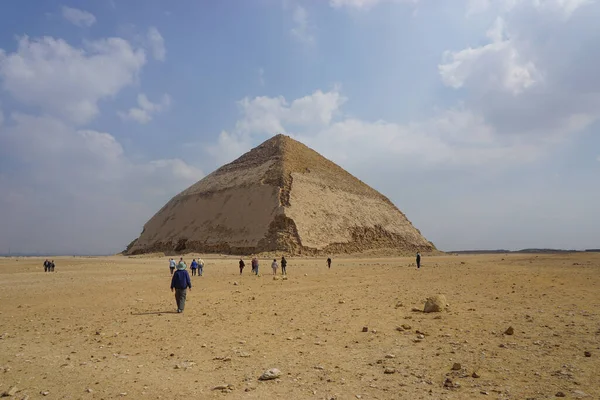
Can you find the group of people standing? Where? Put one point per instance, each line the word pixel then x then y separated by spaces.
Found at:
pixel 197 267
pixel 274 266
pixel 49 266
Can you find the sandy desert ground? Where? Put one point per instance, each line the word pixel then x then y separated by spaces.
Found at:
pixel 104 328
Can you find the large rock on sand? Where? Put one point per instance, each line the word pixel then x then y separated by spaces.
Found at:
pixel 435 303
pixel 280 196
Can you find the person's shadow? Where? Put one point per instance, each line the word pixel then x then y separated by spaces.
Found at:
pixel 154 313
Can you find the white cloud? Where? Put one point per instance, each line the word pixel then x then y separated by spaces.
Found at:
pixel 146 109
pixel 363 4
pixel 268 115
pixel 565 8
pixel 78 17
pixel 303 29
pixel 157 44
pixel 80 185
pixel 455 137
pixel 496 66
pixel 41 71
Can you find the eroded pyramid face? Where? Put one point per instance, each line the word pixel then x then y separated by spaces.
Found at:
pixel 280 196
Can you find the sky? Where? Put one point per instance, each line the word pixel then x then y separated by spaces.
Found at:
pixel 479 119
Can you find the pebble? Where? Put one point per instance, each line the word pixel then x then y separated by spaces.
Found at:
pixel 365 329
pixel 456 367
pixel 475 375
pixel 10 392
pixel 560 394
pixel 587 354
pixel 406 327
pixel 223 387
pixel 389 371
pixel 235 283
pixel 89 390
pixel 270 374
pixel 579 394
pixel 420 336
pixel 44 393
pixel 390 356
pixel 510 331
pixel 341 302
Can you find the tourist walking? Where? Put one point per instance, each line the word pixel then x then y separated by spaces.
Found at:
pixel 418 260
pixel 283 265
pixel 181 282
pixel 171 265
pixel 52 265
pixel 274 266
pixel 200 266
pixel 255 265
pixel 46 265
pixel 329 262
pixel 242 265
pixel 193 266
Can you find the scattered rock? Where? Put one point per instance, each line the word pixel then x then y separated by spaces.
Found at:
pixel 365 329
pixel 420 336
pixel 390 356
pixel 44 393
pixel 560 394
pixel 435 303
pixel 223 387
pixel 456 367
pixel 406 327
pixel 89 390
pixel 270 374
pixel 389 371
pixel 185 365
pixel 475 375
pixel 341 302
pixel 244 354
pixel 10 392
pixel 235 283
pixel 579 394
pixel 510 331
pixel 483 392
pixel 399 304
pixel 587 353
pixel 123 394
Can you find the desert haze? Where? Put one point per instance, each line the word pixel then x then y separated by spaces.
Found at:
pixel 106 327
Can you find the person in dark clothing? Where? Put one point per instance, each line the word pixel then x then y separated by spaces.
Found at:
pixel 52 265
pixel 283 265
pixel 193 266
pixel 418 260
pixel 328 262
pixel 180 283
pixel 46 265
pixel 242 265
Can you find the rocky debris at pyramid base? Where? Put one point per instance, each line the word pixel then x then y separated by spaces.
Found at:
pixel 279 197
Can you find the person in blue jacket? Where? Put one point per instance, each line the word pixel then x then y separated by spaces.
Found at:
pixel 180 283
pixel 193 266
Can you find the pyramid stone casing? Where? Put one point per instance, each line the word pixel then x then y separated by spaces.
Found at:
pixel 280 196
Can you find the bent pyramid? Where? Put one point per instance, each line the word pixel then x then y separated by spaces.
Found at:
pixel 280 196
